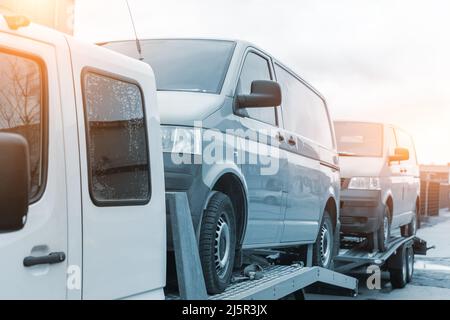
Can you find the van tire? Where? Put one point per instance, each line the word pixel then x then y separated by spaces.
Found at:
pixel 218 243
pixel 323 253
pixel 410 229
pixel 383 233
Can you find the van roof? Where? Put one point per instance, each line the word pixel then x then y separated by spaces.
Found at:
pixel 372 122
pixel 361 122
pixel 239 44
pixel 33 31
pixel 53 37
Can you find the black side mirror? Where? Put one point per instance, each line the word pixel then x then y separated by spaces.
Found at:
pixel 401 154
pixel 265 94
pixel 14 182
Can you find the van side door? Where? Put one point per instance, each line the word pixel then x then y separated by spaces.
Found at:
pixel 303 209
pixel 122 176
pixel 395 180
pixel 410 174
pixel 264 164
pixel 30 106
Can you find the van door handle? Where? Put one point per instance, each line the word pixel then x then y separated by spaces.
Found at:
pixel 280 137
pixel 52 258
pixel 292 142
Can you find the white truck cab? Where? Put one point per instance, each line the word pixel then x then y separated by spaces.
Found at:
pixel 82 211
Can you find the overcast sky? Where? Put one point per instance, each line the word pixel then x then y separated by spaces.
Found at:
pixel 383 60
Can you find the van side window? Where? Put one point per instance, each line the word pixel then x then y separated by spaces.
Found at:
pixel 21 109
pixel 405 141
pixel 117 141
pixel 304 112
pixel 391 141
pixel 256 68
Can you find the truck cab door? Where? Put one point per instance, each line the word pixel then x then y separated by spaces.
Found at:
pixel 122 176
pixel 29 106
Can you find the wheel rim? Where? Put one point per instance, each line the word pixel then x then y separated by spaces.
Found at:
pixel 414 225
pixel 405 271
pixel 386 231
pixel 222 246
pixel 410 263
pixel 325 245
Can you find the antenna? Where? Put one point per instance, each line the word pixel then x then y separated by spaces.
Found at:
pixel 138 42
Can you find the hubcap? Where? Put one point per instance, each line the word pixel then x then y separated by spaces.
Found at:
pixel 414 225
pixel 222 246
pixel 325 246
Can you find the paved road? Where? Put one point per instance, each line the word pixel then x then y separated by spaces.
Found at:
pixel 432 273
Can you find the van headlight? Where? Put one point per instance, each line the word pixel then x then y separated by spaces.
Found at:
pixel 365 183
pixel 183 140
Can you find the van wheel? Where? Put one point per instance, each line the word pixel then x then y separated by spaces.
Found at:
pixel 410 260
pixel 218 243
pixel 383 233
pixel 324 246
pixel 410 229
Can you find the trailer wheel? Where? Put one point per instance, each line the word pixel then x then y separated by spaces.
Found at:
pixel 398 268
pixel 218 243
pixel 410 262
pixel 324 246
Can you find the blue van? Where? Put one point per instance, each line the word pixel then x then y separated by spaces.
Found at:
pixel 252 145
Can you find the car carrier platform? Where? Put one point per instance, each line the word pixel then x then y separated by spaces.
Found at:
pixel 277 281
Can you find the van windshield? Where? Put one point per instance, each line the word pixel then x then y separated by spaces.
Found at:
pixel 183 65
pixel 356 139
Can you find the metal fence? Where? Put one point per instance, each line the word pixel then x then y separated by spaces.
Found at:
pixel 444 198
pixel 430 196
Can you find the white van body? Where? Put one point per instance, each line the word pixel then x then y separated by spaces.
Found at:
pixel 113 249
pixel 375 179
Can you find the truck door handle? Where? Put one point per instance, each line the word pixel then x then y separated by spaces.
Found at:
pixel 52 258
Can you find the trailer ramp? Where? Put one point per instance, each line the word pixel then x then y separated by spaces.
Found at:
pixel 281 281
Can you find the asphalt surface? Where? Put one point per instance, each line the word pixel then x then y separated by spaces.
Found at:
pixel 432 272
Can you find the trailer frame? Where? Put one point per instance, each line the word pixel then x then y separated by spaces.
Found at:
pixel 282 280
pixel 278 281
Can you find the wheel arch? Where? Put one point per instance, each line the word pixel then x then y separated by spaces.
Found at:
pixel 231 185
pixel 333 210
pixel 390 204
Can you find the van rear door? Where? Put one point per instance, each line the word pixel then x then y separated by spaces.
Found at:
pixel 122 176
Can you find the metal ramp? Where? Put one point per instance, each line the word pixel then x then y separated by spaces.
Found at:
pixel 278 281
pixel 281 281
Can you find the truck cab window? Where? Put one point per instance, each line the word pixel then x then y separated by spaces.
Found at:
pixel 21 104
pixel 117 141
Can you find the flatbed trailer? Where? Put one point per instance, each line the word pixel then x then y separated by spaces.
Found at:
pixel 278 280
pixel 398 259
